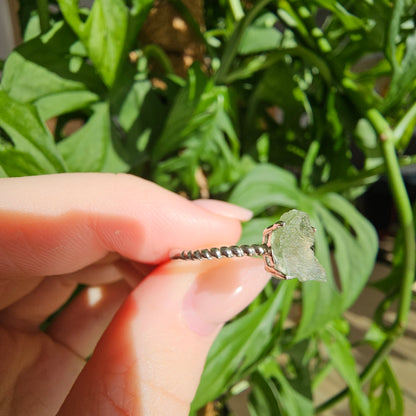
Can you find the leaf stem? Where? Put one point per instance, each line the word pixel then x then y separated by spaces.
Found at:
pixel 231 49
pixel 404 210
pixel 43 12
pixel 308 165
pixel 366 375
pixel 362 178
pixel 156 52
pixel 313 30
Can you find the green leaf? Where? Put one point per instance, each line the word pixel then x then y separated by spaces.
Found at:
pixel 108 32
pixel 69 9
pixel 14 163
pixel 338 224
pixel 264 396
pixel 403 132
pixel 200 130
pixel 293 402
pixel 255 63
pixel 393 32
pixel 367 141
pixel 29 135
pixel 239 346
pixel 137 111
pixel 42 67
pixel 404 70
pixel 232 45
pixel 105 35
pixel 54 105
pixel 404 75
pixel 140 9
pixel 385 395
pixel 355 247
pixel 3 173
pixel 340 353
pixel 266 186
pixel 237 9
pixel 321 303
pixel 350 21
pixel 183 110
pixel 133 102
pixel 90 149
pixel 261 36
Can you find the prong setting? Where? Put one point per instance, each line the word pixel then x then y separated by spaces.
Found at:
pixel 269 263
pixel 287 249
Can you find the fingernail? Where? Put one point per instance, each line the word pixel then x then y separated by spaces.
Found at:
pixel 225 209
pixel 220 293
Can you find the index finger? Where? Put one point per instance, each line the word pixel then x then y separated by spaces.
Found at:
pixel 57 224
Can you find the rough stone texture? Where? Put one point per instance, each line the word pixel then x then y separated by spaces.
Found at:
pixel 292 248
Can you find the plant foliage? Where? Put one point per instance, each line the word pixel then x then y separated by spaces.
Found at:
pixel 299 104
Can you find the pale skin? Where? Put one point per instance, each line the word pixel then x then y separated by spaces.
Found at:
pixel 146 322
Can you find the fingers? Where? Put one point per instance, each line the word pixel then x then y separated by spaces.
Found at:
pixel 36 373
pixel 55 224
pixel 150 359
pixel 31 310
pixel 81 324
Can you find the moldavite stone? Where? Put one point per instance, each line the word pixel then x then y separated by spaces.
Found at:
pixel 293 248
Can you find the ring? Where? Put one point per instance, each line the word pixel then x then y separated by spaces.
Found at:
pixel 287 249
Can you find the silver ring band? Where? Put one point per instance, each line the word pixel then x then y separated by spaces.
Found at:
pixel 226 251
pixel 264 249
pixel 287 249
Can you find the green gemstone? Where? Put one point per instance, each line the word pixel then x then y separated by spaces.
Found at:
pixel 292 248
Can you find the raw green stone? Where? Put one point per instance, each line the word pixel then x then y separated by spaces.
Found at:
pixel 292 248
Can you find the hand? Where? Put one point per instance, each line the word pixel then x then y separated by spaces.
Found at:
pixel 146 322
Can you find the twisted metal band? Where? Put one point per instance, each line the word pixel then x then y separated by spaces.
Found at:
pixel 218 253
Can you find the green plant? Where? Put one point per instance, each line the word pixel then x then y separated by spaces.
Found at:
pixel 292 87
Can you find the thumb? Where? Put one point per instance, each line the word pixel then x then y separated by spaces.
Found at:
pixel 150 359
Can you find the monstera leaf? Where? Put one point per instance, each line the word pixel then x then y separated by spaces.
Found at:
pixel 342 233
